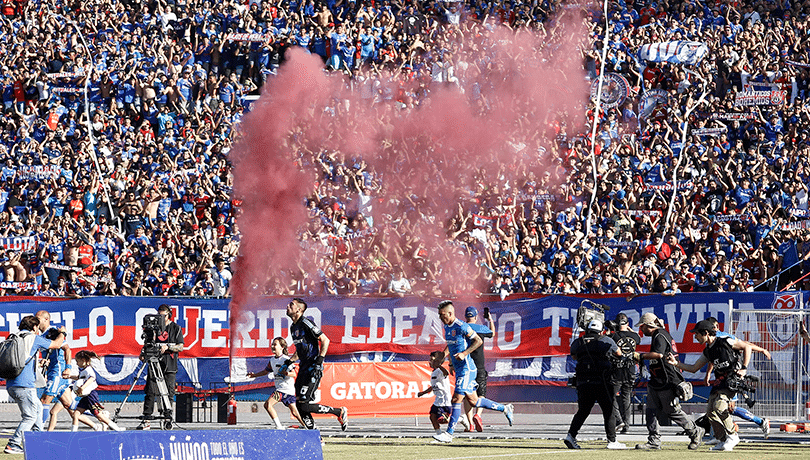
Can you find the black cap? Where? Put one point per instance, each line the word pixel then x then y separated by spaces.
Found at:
pixel 703 325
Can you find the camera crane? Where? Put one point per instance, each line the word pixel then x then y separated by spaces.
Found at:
pixel 153 325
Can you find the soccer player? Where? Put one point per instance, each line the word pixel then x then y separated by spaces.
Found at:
pixel 311 345
pixel 461 341
pixel 440 387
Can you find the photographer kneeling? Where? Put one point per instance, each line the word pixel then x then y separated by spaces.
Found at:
pixel 593 353
pixel 730 358
pixel 164 343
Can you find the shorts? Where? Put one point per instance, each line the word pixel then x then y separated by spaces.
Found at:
pixel 442 413
pixel 481 380
pixel 56 386
pixel 91 402
pixel 306 384
pixel 284 398
pixel 465 381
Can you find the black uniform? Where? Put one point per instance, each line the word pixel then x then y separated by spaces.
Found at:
pixel 662 400
pixel 305 336
pixel 727 361
pixel 593 352
pixel 624 374
pixel 477 356
pixel 168 364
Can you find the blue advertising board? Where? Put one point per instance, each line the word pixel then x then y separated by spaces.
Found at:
pixel 174 445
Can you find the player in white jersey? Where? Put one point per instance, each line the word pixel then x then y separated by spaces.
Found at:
pixel 284 380
pixel 442 392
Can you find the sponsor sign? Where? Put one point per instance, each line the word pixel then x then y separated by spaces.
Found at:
pixel 174 445
pixel 378 389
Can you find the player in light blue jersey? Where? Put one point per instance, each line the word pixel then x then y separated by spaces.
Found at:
pixel 58 369
pixel 461 341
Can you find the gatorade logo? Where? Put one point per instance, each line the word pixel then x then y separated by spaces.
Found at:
pixel 376 390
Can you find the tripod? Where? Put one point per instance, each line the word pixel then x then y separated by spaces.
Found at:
pixel 156 372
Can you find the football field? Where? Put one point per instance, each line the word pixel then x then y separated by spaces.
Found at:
pixel 423 449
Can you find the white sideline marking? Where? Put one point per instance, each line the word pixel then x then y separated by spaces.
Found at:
pixel 508 455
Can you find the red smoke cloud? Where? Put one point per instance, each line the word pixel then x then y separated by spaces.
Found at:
pixel 484 129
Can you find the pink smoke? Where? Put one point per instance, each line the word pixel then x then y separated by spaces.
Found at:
pixel 436 151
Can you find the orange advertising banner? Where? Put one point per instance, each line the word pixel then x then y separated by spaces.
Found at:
pixel 377 389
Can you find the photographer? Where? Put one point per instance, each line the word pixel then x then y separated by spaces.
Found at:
pixel 730 358
pixel 165 344
pixel 662 396
pixel 593 353
pixel 624 372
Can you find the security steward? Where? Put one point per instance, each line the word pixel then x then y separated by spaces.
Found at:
pixel 730 358
pixel 593 353
pixel 625 372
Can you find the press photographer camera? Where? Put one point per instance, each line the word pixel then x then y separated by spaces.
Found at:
pixel 163 341
pixel 745 386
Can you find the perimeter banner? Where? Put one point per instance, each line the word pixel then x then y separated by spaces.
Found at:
pixel 174 445
pixel 524 327
pixel 531 341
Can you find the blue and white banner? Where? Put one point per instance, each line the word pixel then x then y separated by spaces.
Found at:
pixel 19 243
pixel 528 329
pixel 675 52
pixel 174 445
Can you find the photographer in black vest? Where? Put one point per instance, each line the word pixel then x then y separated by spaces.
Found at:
pixel 593 353
pixel 625 371
pixel 662 389
pixel 730 358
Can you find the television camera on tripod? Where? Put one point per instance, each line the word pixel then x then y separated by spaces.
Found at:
pixel 163 341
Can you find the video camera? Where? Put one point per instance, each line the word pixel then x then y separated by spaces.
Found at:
pixel 588 311
pixel 744 385
pixel 153 326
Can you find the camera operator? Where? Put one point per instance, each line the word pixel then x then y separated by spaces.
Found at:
pixel 166 344
pixel 625 372
pixel 730 358
pixel 593 353
pixel 662 397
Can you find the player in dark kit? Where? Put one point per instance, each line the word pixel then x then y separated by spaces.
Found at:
pixel 311 345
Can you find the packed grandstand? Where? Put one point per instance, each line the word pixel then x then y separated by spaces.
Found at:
pixel 120 118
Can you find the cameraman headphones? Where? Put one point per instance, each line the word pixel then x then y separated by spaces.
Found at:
pixel 167 308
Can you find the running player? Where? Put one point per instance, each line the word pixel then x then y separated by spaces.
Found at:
pixel 461 341
pixel 311 345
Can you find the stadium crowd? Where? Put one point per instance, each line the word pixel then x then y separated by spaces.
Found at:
pixel 169 81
